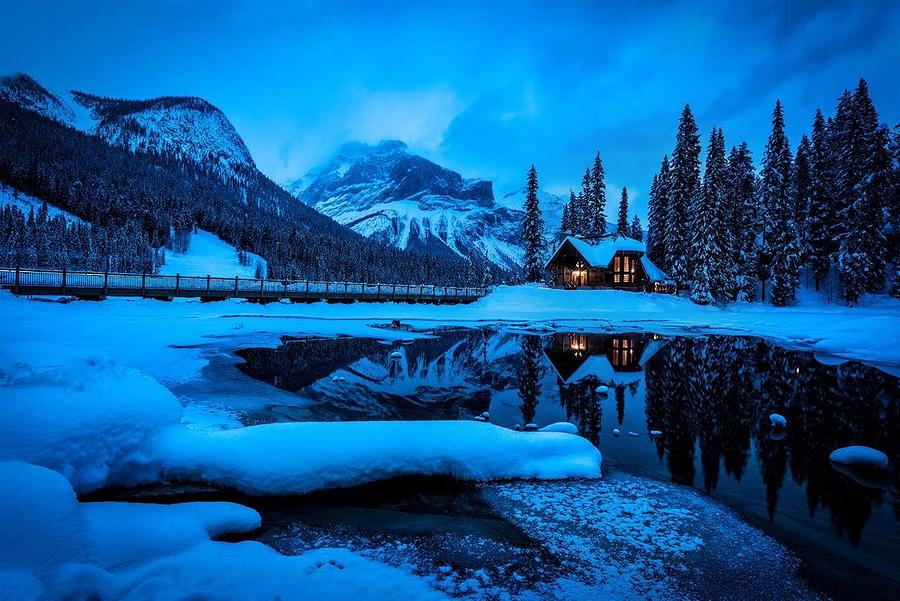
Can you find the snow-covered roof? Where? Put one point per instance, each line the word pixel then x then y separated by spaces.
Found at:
pixel 599 367
pixel 653 272
pixel 600 254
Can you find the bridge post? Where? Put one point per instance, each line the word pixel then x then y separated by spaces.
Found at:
pixel 105 282
pixel 326 290
pixel 235 286
pixel 378 293
pixel 306 290
pixel 262 283
pixel 394 292
pixel 285 288
pixel 143 285
pixel 177 283
pixel 207 284
pixel 64 280
pixel 345 290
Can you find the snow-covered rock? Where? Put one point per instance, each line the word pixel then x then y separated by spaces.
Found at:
pixel 531 427
pixel 616 432
pixel 602 389
pixel 396 355
pixel 565 427
pixel 777 420
pixel 860 457
pixel 655 433
pixel 387 193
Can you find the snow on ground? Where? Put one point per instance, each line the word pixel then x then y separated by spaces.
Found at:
pixel 53 547
pixel 210 255
pixel 289 458
pixel 26 203
pixel 99 425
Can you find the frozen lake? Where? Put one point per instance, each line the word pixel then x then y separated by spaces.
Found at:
pixel 710 397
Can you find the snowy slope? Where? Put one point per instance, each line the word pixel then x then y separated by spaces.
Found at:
pixel 9 196
pixel 188 127
pixel 210 255
pixel 387 193
pixel 27 93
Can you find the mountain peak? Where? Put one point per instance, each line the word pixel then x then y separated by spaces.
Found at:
pixel 187 126
pixel 22 89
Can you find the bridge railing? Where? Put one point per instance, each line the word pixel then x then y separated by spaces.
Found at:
pixel 47 281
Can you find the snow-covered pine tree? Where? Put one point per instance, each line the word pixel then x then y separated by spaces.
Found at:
pixel 894 215
pixel 586 199
pixel 598 197
pixel 684 188
pixel 820 213
pixel 578 212
pixel 779 226
pixel 622 223
pixel 657 208
pixel 566 225
pixel 742 215
pixel 532 230
pixel 709 248
pixel 637 231
pixel 801 186
pixel 866 188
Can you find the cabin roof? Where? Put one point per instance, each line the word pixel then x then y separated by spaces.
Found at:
pixel 599 254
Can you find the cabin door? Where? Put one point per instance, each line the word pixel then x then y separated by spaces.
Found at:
pixel 579 277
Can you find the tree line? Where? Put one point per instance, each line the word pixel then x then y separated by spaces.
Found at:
pixel 136 203
pixel 831 207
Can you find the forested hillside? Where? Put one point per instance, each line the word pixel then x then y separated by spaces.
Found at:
pixel 137 202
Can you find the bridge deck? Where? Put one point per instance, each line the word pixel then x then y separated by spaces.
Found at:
pixel 42 282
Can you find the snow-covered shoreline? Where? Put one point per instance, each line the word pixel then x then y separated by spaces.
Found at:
pixel 135 331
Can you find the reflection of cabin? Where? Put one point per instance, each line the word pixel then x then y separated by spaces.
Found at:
pixel 613 261
pixel 609 359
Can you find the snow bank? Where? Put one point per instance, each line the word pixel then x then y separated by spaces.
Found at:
pixel 90 421
pixel 58 548
pixel 290 458
pixel 860 456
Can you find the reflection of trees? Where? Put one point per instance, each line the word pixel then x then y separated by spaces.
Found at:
pixel 716 394
pixel 530 374
pixel 582 404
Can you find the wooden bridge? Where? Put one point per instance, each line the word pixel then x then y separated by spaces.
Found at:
pixel 99 285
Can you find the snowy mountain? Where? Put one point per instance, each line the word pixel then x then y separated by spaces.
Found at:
pixel 188 127
pixel 387 193
pixel 21 89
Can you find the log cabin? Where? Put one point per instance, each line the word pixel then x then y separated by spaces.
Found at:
pixel 612 261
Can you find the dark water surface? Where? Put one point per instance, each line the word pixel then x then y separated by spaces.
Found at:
pixel 709 396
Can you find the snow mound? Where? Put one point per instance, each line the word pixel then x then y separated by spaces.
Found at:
pixel 89 421
pixel 777 420
pixel 565 427
pixel 860 456
pixel 58 548
pixel 99 424
pixel 294 458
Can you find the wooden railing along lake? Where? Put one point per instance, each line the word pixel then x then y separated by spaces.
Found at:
pixel 93 284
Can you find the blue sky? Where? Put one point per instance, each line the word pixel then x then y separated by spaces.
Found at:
pixel 486 88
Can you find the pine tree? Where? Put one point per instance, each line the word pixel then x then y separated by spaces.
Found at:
pixel 894 215
pixel 657 207
pixel 622 223
pixel 801 187
pixel 598 198
pixel 532 230
pixel 586 202
pixel 741 217
pixel 637 231
pixel 685 186
pixel 779 226
pixel 710 249
pixel 867 187
pixel 820 212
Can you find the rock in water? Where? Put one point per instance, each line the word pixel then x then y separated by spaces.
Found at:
pixel 635 434
pixel 531 427
pixel 565 427
pixel 778 420
pixel 655 433
pixel 860 456
pixel 486 416
pixel 396 355
pixel 616 432
pixel 602 390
